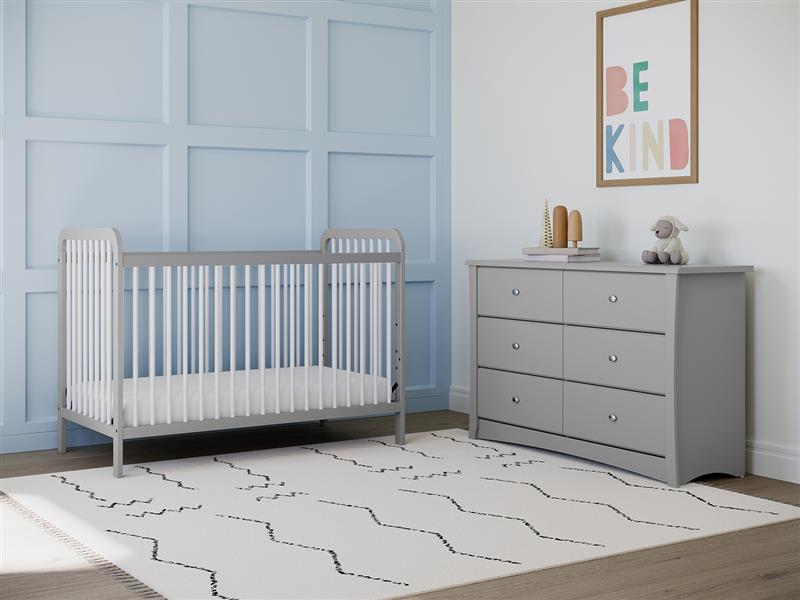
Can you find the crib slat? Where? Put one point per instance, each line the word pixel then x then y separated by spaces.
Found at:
pixel 193 319
pixel 362 315
pixel 292 331
pixel 285 321
pixel 135 342
pixel 297 321
pixel 166 275
pixel 98 328
pixel 376 347
pixel 184 271
pixel 93 404
pixel 84 326
pixel 340 292
pixel 320 332
pixel 232 336
pixel 262 331
pixel 349 322
pixel 109 332
pixel 307 329
pixel 276 329
pixel 334 330
pixel 388 328
pixel 201 338
pixel 247 339
pixel 178 322
pixel 73 320
pixel 217 334
pixel 68 322
pixel 151 339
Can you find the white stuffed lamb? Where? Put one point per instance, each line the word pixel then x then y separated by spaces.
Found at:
pixel 668 248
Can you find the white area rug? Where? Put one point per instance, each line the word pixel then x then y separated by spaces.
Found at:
pixel 368 519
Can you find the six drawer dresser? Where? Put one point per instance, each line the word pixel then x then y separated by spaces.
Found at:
pixel 637 366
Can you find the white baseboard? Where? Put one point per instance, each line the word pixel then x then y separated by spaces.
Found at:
pixel 767 460
pixel 459 399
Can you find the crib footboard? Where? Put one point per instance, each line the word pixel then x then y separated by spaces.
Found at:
pixel 160 343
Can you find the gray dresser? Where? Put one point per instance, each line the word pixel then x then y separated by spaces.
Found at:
pixel 637 366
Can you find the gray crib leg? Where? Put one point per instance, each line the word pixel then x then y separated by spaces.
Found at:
pixel 400 428
pixel 62 433
pixel 117 452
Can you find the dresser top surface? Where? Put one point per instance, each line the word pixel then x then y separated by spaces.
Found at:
pixel 610 266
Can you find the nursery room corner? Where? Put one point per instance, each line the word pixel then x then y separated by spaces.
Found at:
pixel 432 299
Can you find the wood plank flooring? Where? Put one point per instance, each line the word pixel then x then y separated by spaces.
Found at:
pixel 753 564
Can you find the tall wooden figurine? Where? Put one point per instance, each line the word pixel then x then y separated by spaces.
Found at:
pixel 560 227
pixel 575 228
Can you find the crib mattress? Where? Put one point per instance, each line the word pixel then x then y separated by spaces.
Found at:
pixel 289 378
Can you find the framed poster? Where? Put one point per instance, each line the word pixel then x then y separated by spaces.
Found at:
pixel 647 93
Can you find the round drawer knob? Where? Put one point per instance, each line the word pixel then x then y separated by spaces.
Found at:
pixel 515 400
pixel 612 298
pixel 515 292
pixel 612 418
pixel 612 358
pixel 515 346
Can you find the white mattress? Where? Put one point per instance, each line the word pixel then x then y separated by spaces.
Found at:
pixel 241 399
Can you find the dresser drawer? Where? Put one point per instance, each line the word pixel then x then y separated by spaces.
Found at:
pixel 615 417
pixel 620 300
pixel 520 294
pixel 624 359
pixel 522 346
pixel 523 400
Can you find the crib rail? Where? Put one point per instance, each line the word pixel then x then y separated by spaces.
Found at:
pixel 150 320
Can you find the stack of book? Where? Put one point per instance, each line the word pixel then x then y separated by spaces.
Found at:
pixel 537 253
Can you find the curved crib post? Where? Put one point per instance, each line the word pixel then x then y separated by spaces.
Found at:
pixel 107 354
pixel 397 245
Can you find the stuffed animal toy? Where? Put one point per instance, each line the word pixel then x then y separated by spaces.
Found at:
pixel 668 248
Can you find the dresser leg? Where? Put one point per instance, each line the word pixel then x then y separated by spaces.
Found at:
pixel 473 426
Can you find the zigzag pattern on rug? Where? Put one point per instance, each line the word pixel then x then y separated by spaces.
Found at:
pixel 276 496
pixel 180 484
pixel 159 513
pixel 267 482
pixel 579 501
pixel 669 489
pixel 404 449
pixel 432 475
pixel 519 519
pixel 371 468
pixel 438 535
pixel 497 453
pixel 332 553
pixel 212 575
pixel 92 495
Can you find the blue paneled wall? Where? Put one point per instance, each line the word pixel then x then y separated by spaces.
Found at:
pixel 217 125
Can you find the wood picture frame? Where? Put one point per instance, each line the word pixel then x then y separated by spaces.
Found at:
pixel 682 138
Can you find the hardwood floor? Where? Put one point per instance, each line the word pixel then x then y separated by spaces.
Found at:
pixel 757 563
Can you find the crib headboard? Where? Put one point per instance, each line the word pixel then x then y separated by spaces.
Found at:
pixel 340 237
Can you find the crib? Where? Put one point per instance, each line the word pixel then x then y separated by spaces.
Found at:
pixel 164 343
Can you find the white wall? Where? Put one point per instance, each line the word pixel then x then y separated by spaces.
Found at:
pixel 523 129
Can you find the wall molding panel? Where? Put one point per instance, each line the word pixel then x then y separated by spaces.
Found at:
pixel 191 125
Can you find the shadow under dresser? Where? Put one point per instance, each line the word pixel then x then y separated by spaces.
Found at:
pixel 637 366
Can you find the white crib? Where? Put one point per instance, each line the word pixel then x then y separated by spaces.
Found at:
pixel 160 343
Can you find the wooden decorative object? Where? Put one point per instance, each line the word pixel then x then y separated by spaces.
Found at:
pixel 575 228
pixel 546 231
pixel 560 227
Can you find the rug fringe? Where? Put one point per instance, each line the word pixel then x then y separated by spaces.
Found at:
pixel 100 564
